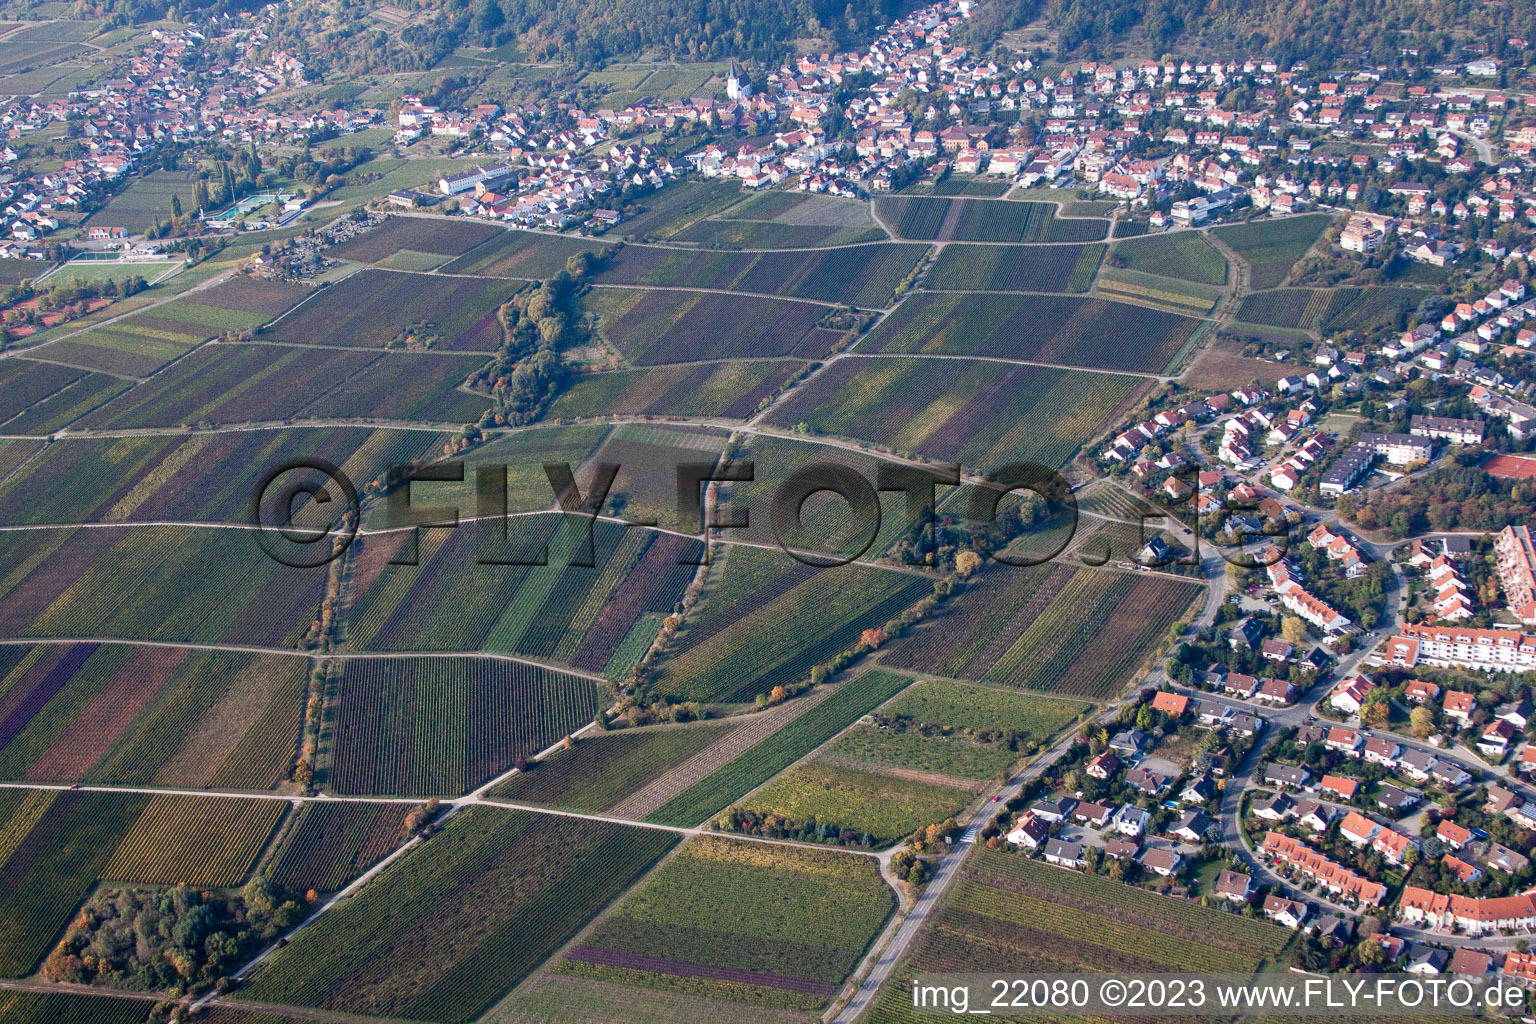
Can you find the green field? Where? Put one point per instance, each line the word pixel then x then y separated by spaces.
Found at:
pixel 786 220
pixel 142 342
pixel 865 802
pixel 979 413
pixel 446 930
pixel 857 275
pixel 1184 255
pixel 1164 293
pixel 469 592
pixel 1332 310
pixel 1006 910
pixel 145 199
pixel 983 220
pixel 601 770
pixel 39 398
pixel 663 214
pixel 769 619
pixel 131 583
pixel 1040 328
pixel 1048 627
pixel 522 254
pixel 1270 247
pixel 650 328
pixel 255 383
pixel 803 734
pixel 739 922
pixel 729 390
pixel 1008 268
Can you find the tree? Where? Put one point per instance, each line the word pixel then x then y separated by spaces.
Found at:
pixel 1421 721
pixel 1294 629
pixel 967 563
pixel 872 638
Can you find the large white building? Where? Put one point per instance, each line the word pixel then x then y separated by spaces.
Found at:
pixel 1481 650
pixel 1517 571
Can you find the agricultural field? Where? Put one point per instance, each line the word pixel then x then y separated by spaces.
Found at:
pixel 15 271
pixel 139 715
pixel 912 755
pixel 522 254
pixel 1009 913
pixel 141 342
pixel 1270 247
pixel 931 218
pixel 738 922
pixel 828 524
pixel 132 583
pixel 649 458
pixel 188 477
pixel 39 398
pixel 1014 268
pixel 786 220
pixel 1110 500
pixel 727 390
pixel 522 454
pixel 442 726
pixel 195 840
pixel 254 383
pixel 665 213
pixel 979 413
pixel 601 770
pixel 956 730
pixel 856 275
pixel 373 308
pixel 439 237
pixel 882 806
pixel 1040 328
pixel 767 618
pixel 146 198
pixel 845 704
pixel 467 592
pixel 332 843
pixel 22 1007
pixel 55 846
pixel 446 930
pixel 654 327
pixel 1331 310
pixel 1031 629
pixel 1184 255
pixel 1162 293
